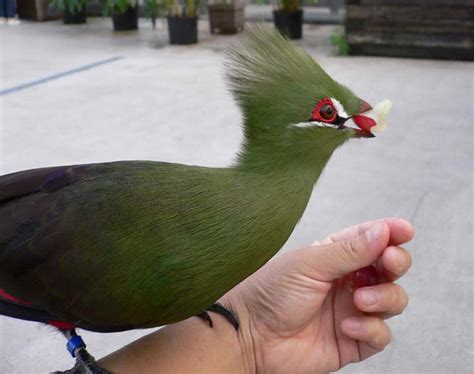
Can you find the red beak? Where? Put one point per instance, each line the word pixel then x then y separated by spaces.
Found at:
pixel 363 122
pixel 364 107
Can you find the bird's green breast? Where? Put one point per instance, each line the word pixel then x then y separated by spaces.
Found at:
pixel 172 238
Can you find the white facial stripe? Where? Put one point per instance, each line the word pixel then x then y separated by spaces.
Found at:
pixel 340 109
pixel 313 124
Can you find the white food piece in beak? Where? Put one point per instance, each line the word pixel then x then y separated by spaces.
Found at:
pixel 379 115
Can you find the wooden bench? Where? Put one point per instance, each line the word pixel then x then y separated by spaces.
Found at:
pixel 407 28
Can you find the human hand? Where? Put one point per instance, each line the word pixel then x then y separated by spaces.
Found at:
pixel 297 313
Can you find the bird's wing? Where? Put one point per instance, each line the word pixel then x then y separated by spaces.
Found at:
pixel 43 270
pixel 26 199
pixel 23 183
pixel 30 201
pixel 36 208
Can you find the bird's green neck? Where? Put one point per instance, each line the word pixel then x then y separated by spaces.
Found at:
pixel 305 160
pixel 282 180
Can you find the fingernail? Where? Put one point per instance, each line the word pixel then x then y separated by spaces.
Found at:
pixel 374 232
pixel 369 297
pixel 352 324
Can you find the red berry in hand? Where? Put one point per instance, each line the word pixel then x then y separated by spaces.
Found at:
pixel 364 277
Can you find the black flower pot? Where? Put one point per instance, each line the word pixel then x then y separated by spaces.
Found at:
pixel 78 17
pixel 127 20
pixel 289 24
pixel 182 30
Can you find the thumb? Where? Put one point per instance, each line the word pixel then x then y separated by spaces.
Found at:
pixel 335 260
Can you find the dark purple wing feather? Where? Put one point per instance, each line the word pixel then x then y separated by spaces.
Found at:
pixel 32 204
pixel 38 211
pixel 23 183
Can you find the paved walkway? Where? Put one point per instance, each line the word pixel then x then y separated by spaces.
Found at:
pixel 84 94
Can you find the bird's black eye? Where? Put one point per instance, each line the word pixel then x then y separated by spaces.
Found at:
pixel 327 112
pixel 324 111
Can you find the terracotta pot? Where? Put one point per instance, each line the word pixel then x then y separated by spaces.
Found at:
pixel 37 10
pixel 226 19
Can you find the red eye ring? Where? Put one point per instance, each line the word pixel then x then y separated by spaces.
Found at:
pixel 324 111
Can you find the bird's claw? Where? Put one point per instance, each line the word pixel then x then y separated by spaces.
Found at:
pixel 223 311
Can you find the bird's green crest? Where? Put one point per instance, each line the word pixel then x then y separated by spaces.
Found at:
pixel 278 84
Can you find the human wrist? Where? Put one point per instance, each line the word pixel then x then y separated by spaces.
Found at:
pixel 246 343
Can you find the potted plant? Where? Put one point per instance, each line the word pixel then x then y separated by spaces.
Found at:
pixel 74 11
pixel 288 18
pixel 153 10
pixel 226 16
pixel 124 13
pixel 182 20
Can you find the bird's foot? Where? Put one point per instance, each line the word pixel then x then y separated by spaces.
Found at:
pixel 85 363
pixel 204 315
pixel 88 363
pixel 223 311
pixel 79 368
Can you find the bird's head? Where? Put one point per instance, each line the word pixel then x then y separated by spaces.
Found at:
pixel 289 102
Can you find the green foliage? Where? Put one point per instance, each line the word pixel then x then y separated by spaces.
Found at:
pixel 181 8
pixel 154 9
pixel 340 42
pixel 222 2
pixel 72 6
pixel 110 7
pixel 289 6
pixel 173 8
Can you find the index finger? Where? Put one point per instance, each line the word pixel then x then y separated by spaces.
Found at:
pixel 401 231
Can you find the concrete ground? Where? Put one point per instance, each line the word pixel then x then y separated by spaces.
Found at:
pixel 168 103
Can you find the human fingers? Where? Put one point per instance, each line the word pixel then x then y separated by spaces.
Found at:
pixel 370 330
pixel 385 298
pixel 332 261
pixel 401 231
pixel 394 262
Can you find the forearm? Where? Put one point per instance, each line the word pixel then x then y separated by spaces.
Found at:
pixel 190 346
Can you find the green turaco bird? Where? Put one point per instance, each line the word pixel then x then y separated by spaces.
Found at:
pixel 136 244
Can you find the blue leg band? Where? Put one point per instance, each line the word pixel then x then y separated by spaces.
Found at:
pixel 74 343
